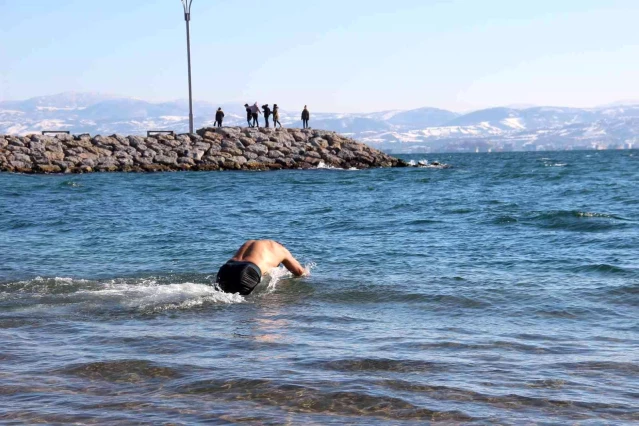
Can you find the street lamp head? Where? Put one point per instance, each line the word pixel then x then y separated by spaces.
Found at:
pixel 187 9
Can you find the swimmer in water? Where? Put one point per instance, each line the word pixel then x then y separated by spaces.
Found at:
pixel 243 272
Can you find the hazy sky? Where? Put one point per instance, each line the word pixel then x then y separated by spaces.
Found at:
pixel 335 55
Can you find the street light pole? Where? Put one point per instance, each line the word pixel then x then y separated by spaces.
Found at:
pixel 187 18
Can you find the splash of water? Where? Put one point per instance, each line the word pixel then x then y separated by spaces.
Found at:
pixel 275 275
pixel 149 294
pixel 425 164
pixel 323 166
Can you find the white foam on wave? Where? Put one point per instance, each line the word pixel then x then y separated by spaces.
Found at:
pixel 323 166
pixel 550 164
pixel 148 294
pixel 61 280
pixel 425 164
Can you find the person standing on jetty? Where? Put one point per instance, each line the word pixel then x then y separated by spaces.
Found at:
pixel 255 110
pixel 276 116
pixel 267 114
pixel 305 117
pixel 248 114
pixel 219 116
pixel 244 271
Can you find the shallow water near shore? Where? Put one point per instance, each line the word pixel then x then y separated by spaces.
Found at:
pixel 502 290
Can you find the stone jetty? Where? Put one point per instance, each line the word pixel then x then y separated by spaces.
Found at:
pixel 228 148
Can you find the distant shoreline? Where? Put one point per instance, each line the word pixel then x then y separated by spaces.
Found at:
pixel 227 148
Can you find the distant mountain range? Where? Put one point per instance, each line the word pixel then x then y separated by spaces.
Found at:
pixel 418 130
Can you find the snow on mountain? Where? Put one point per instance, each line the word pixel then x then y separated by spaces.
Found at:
pixel 423 117
pixel 422 129
pixel 64 101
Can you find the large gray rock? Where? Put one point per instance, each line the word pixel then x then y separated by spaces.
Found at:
pixel 136 141
pixel 15 142
pixel 275 154
pixel 230 143
pixel 232 151
pixel 246 142
pixel 166 160
pixel 259 149
pixel 319 143
pixel 20 166
pixel 204 146
pixel 22 158
pixel 239 160
pixel 54 155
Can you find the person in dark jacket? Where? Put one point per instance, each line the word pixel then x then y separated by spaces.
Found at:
pixel 219 116
pixel 305 117
pixel 248 114
pixel 267 114
pixel 255 111
pixel 276 116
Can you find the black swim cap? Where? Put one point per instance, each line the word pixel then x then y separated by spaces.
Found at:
pixel 249 280
pixel 239 277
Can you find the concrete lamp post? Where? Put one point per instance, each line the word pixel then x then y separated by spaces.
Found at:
pixel 187 18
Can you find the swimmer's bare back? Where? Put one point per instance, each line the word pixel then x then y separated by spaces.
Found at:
pixel 268 254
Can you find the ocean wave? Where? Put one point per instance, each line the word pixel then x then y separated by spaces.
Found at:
pixel 499 345
pixel 504 220
pixel 377 294
pixel 427 165
pixel 127 371
pixel 620 368
pixel 461 210
pixel 515 401
pixel 576 220
pixel 624 295
pixel 148 295
pixel 379 364
pixel 624 290
pixel 577 214
pixel 365 294
pixel 44 286
pixel 317 398
pixel 423 222
pixel 603 268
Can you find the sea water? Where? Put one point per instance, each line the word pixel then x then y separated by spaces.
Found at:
pixel 504 289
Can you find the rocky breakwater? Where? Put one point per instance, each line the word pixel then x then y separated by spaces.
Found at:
pixel 230 148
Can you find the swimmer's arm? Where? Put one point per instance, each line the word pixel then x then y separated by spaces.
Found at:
pixel 293 265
